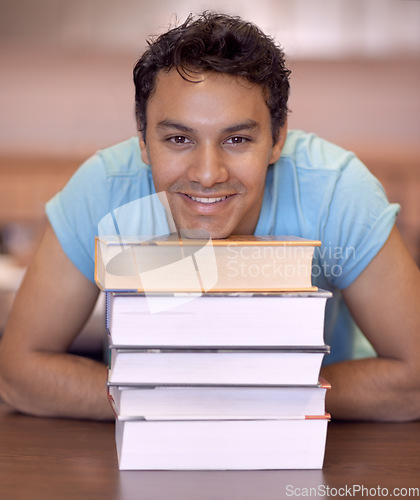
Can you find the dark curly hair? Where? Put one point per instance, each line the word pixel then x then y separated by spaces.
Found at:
pixel 221 43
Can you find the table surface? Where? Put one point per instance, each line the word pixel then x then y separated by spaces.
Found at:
pixel 45 459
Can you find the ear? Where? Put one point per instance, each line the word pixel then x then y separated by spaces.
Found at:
pixel 143 150
pixel 278 146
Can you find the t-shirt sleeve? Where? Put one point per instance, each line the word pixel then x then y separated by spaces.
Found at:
pixel 74 213
pixel 362 217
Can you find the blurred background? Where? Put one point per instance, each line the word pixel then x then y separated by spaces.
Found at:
pixel 66 90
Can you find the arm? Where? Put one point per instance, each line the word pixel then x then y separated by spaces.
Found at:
pixel 384 300
pixel 37 376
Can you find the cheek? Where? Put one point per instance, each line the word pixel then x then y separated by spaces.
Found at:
pixel 168 168
pixel 159 179
pixel 164 175
pixel 254 178
pixel 161 170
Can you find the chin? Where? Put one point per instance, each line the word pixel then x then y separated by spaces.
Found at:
pixel 220 236
pixel 204 231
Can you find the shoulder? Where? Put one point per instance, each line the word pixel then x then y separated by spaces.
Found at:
pixel 114 175
pixel 317 165
pixel 308 151
pixel 109 165
pixel 122 159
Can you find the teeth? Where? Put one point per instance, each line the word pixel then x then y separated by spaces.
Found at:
pixel 208 200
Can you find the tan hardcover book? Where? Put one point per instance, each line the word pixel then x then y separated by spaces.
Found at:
pixel 172 264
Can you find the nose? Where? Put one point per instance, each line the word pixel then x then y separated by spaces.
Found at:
pixel 208 166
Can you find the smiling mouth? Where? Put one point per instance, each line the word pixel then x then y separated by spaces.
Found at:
pixel 207 200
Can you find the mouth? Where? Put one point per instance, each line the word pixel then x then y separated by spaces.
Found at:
pixel 207 205
pixel 207 201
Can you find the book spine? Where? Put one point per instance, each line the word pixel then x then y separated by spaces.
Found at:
pixel 108 312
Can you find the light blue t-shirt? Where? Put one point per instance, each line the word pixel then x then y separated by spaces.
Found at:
pixel 316 190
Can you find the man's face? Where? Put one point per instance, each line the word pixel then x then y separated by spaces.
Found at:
pixel 209 145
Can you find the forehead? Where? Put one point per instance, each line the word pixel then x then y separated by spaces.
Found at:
pixel 208 94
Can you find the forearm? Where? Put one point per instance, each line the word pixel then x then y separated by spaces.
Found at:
pixel 379 389
pixel 58 385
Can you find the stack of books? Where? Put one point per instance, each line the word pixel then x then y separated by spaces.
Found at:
pixel 215 366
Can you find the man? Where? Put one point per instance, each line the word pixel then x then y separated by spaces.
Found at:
pixel 211 104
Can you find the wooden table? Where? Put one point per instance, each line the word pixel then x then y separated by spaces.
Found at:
pixel 64 459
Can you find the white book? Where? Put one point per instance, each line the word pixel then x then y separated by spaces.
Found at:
pixel 214 402
pixel 216 367
pixel 221 444
pixel 241 319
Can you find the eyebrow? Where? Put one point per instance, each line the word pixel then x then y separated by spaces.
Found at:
pixel 245 125
pixel 164 124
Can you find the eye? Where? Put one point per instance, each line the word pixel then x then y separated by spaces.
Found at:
pixel 179 139
pixel 237 139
